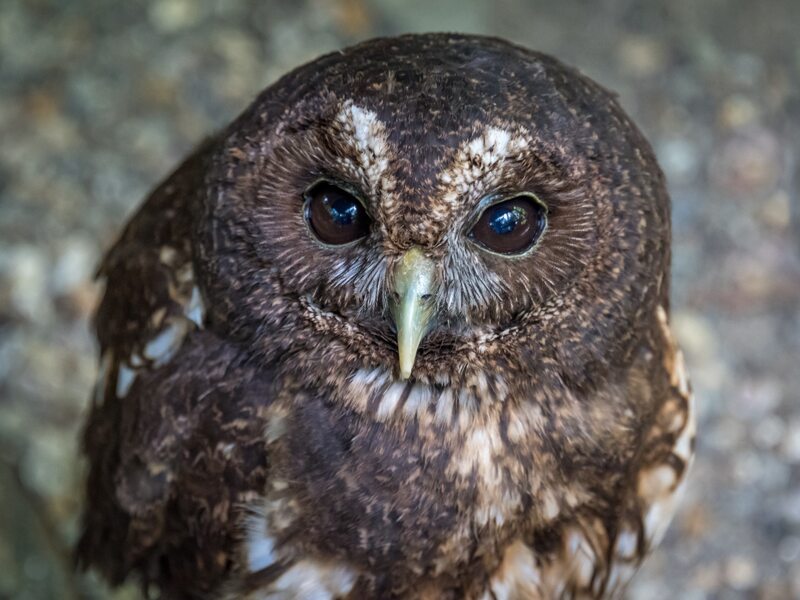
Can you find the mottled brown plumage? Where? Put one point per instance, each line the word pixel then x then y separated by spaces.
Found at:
pixel 252 434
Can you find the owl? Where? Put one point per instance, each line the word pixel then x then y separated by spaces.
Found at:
pixel 401 330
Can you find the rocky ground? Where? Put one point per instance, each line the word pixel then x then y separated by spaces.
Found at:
pixel 98 100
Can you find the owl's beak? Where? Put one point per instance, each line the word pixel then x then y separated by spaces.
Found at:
pixel 414 285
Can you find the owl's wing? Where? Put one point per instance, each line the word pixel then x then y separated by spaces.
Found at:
pixel 591 559
pixel 174 436
pixel 668 453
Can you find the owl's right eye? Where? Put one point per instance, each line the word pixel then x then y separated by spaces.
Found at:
pixel 334 215
pixel 511 227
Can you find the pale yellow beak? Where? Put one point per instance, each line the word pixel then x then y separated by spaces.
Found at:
pixel 414 286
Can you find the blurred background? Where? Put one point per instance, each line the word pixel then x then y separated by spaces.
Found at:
pixel 100 99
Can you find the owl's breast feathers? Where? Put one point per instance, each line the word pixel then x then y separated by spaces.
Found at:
pixel 212 474
pixel 426 501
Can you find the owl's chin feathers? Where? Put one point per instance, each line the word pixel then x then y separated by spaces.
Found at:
pixel 368 340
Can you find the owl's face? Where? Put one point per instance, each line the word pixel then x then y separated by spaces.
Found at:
pixel 435 209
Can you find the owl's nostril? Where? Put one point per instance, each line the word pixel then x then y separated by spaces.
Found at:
pixel 426 297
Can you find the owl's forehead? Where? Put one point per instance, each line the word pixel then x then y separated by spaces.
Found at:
pixel 460 154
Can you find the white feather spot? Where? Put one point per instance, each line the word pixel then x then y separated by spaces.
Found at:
pixel 365 377
pixel 518 576
pixel 195 311
pixel 516 429
pixel 683 445
pixel 418 399
pixel 444 407
pixel 656 482
pixel 550 508
pixel 227 449
pixel 164 346
pixel 657 519
pixel 260 553
pixel 467 405
pixel 259 544
pixel 619 576
pixel 276 425
pixel 388 403
pixel 680 374
pixel 582 557
pixel 167 255
pixel 313 580
pixel 364 383
pixel 125 377
pixel 627 542
pixel 478 453
pixel 102 378
pixel 659 515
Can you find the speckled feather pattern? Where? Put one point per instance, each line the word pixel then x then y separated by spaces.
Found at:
pixel 249 435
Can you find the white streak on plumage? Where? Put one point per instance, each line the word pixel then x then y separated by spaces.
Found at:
pixel 125 378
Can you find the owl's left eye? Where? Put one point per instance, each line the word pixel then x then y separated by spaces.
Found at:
pixel 334 215
pixel 510 227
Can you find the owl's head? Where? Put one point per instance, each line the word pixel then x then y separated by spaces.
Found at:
pixel 435 206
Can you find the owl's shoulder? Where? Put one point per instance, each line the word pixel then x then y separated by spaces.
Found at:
pixel 147 273
pixel 176 408
pixel 159 456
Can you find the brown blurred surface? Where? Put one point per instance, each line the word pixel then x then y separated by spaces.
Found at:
pixel 99 100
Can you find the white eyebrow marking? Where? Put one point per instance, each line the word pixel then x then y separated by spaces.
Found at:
pixel 479 158
pixel 491 146
pixel 369 139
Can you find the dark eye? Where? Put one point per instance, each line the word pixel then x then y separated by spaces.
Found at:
pixel 334 215
pixel 511 226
